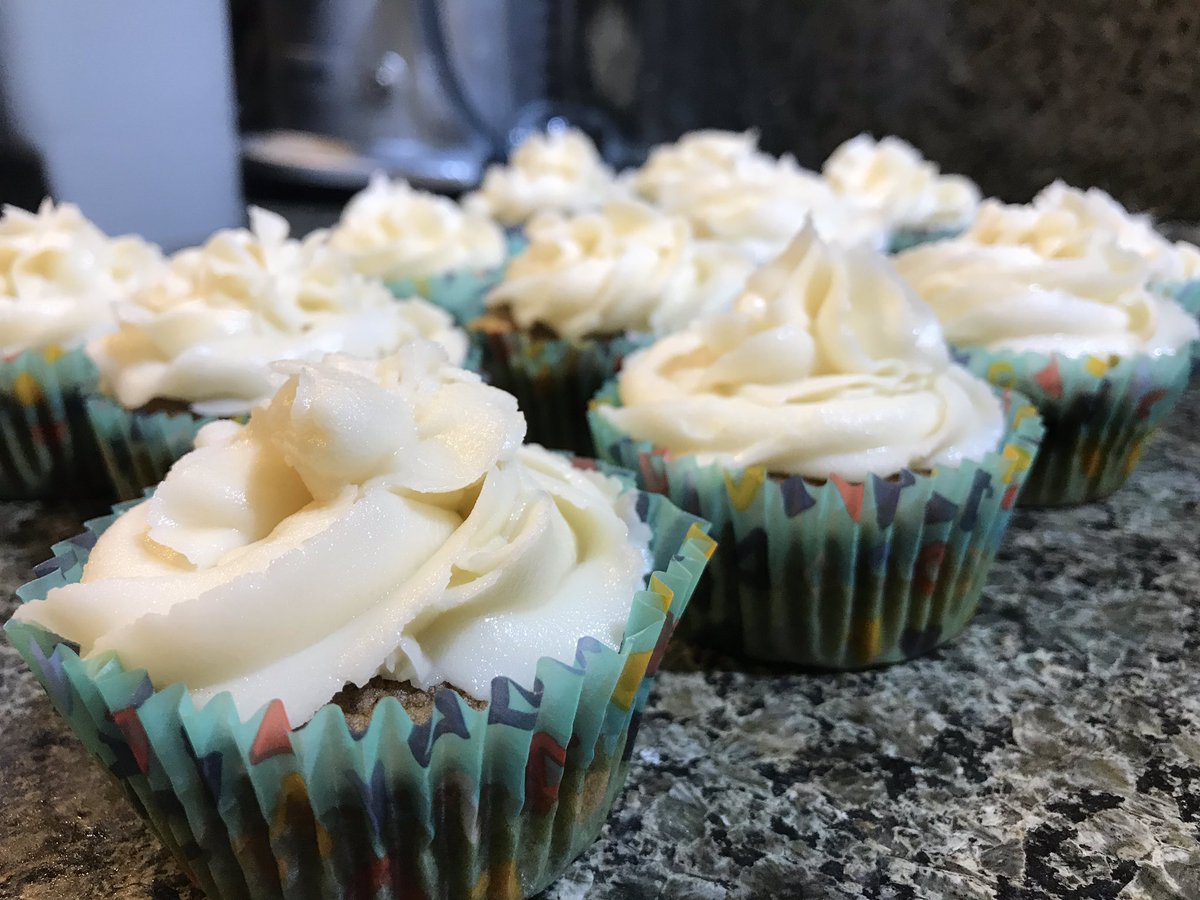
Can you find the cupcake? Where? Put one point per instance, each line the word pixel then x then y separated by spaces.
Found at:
pixel 59 278
pixel 556 171
pixel 586 291
pixel 421 243
pixel 198 342
pixel 1174 267
pixel 890 179
pixel 732 192
pixel 367 644
pixel 859 482
pixel 1038 302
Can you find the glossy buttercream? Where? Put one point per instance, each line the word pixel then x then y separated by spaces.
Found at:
pixel 890 178
pixel 626 267
pixel 60 276
pixel 558 171
pixel 206 332
pixel 828 365
pixel 392 231
pixel 375 518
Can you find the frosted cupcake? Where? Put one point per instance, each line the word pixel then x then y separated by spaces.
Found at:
pixel 1038 302
pixel 199 342
pixel 421 243
pixel 858 481
pixel 890 179
pixel 59 278
pixel 435 689
pixel 586 291
pixel 732 192
pixel 1174 267
pixel 558 171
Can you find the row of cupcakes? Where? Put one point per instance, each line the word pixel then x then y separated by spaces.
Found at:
pixel 598 266
pixel 436 687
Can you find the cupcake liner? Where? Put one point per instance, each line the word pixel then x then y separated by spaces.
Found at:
pixel 554 380
pixel 1187 295
pixel 492 802
pixel 46 444
pixel 461 292
pixel 137 448
pixel 1098 414
pixel 837 574
pixel 907 238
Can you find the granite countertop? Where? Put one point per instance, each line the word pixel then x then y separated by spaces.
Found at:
pixel 1052 752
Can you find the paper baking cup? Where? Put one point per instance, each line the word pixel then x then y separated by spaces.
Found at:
pixel 1098 414
pixel 46 445
pixel 138 448
pixel 554 380
pixel 489 803
pixel 461 292
pixel 838 574
pixel 907 238
pixel 1186 294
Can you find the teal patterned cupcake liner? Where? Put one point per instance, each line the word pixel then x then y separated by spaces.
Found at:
pixel 46 444
pixel 907 238
pixel 137 448
pixel 1098 414
pixel 838 574
pixel 491 802
pixel 554 380
pixel 460 293
pixel 1187 295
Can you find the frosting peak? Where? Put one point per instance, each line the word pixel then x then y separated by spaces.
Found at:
pixel 891 178
pixel 627 267
pixel 1039 279
pixel 60 276
pixel 375 518
pixel 392 231
pixel 558 171
pixel 731 191
pixel 827 365
pixel 1096 211
pixel 207 330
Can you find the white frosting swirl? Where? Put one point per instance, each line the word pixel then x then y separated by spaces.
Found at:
pixel 828 365
pixel 374 518
pixel 626 267
pixel 891 178
pixel 730 191
pixel 60 275
pixel 559 171
pixel 392 231
pixel 206 332
pixel 1010 297
pixel 1094 210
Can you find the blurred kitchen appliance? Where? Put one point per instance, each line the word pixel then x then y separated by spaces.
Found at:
pixel 428 89
pixel 129 108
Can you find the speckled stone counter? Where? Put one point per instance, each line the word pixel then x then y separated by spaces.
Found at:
pixel 1053 752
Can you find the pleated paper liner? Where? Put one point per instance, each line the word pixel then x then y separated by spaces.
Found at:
pixel 1187 295
pixel 137 448
pixel 1098 414
pixel 460 292
pixel 46 445
pixel 837 574
pixel 488 803
pixel 554 379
